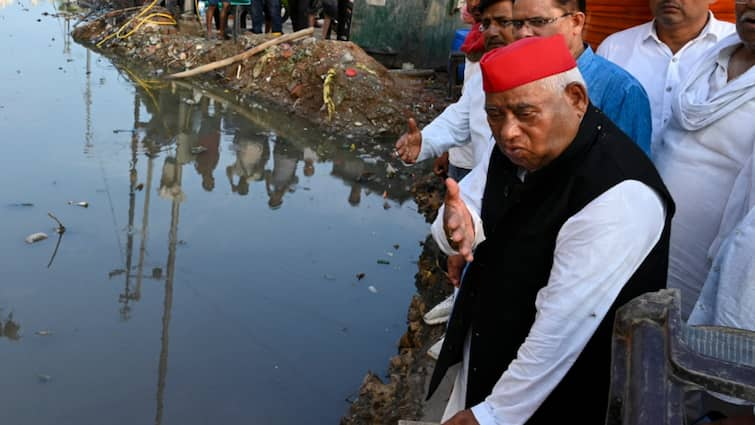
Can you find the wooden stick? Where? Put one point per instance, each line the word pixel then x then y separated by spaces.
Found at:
pixel 241 56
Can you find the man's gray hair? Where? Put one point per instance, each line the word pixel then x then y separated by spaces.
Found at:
pixel 558 82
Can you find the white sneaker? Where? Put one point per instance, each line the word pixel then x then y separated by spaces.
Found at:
pixel 441 312
pixel 434 350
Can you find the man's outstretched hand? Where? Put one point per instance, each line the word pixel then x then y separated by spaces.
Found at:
pixel 457 221
pixel 409 144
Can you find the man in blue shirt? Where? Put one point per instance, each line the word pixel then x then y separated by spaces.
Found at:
pixel 612 89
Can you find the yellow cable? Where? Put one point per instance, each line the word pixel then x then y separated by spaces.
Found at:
pixel 145 84
pixel 142 20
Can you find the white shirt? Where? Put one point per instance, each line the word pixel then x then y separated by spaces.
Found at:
pixel 704 151
pixel 597 251
pixel 464 156
pixel 644 55
pixel 462 123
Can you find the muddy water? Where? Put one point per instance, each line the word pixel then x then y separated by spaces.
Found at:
pixel 212 279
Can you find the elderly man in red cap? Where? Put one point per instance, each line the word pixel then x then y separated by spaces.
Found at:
pixel 568 219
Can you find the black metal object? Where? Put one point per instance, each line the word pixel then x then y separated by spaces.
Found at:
pixel 455 60
pixel 657 358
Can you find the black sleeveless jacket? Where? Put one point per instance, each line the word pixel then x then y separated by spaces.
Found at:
pixel 496 301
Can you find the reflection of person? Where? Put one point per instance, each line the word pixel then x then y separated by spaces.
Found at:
pixel 569 220
pixel 170 181
pixel 310 157
pixel 350 169
pixel 251 157
pixel 705 156
pixel 209 139
pixel 283 176
pixel 660 53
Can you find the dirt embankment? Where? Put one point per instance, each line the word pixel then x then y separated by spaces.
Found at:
pixel 367 101
pixel 331 83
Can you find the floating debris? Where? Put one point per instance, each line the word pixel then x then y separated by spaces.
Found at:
pixel 43 332
pixel 390 170
pixel 61 228
pixel 44 379
pixel 21 204
pixel 347 58
pixel 116 272
pixel 383 262
pixel 198 149
pixel 36 237
pixel 372 289
pixel 82 204
pixel 361 276
pixel 329 276
pixel 390 254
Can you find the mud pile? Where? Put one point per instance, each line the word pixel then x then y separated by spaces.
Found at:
pixel 305 76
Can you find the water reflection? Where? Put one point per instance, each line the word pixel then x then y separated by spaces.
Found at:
pixel 252 152
pixel 180 283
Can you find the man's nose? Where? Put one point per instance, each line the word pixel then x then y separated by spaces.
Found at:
pixel 523 31
pixel 509 130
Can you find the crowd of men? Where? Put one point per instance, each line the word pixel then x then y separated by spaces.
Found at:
pixel 585 179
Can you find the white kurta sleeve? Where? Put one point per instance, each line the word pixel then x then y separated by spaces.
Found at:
pixel 472 188
pixel 597 251
pixel 449 129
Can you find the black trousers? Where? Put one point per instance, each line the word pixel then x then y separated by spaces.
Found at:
pixel 299 11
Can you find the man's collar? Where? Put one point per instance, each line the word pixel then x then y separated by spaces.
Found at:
pixel 584 60
pixel 705 32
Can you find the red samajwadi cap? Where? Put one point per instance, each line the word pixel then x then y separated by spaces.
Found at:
pixel 524 61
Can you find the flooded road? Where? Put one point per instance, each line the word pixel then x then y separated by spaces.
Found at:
pixel 232 267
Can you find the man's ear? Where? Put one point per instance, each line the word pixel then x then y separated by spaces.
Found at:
pixel 576 95
pixel 578 19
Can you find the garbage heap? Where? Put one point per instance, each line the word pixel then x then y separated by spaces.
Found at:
pixel 335 84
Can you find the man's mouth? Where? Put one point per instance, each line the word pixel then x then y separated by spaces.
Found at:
pixel 668 7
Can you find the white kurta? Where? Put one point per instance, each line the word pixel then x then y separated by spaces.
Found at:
pixel 464 156
pixel 647 58
pixel 597 251
pixel 462 123
pixel 705 148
